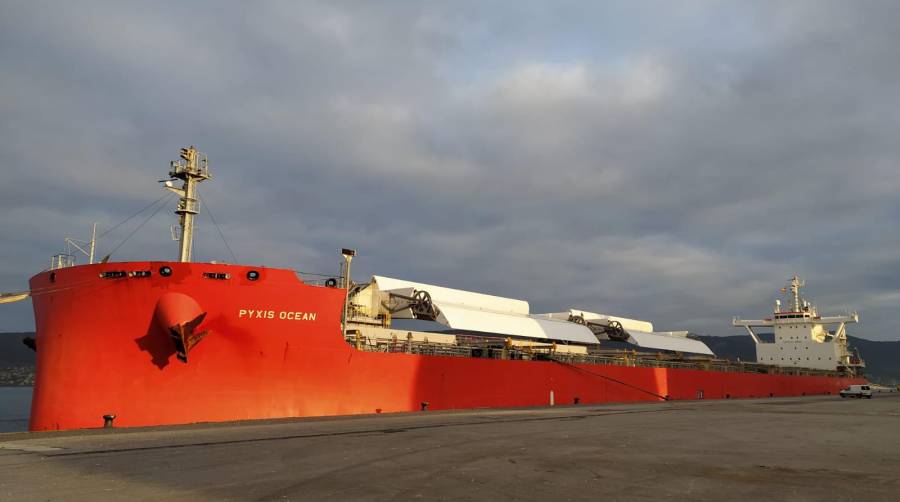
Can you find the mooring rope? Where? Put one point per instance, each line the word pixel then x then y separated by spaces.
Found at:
pixel 119 224
pixel 611 379
pixel 129 236
pixel 219 229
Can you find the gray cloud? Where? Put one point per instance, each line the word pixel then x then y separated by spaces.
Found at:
pixel 669 163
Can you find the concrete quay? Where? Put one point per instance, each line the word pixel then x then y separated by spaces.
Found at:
pixel 796 449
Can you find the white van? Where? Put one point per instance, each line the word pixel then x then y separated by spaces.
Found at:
pixel 859 391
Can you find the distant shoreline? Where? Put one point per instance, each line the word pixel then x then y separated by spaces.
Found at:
pixel 17 376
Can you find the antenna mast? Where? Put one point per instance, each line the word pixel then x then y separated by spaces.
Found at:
pixel 795 285
pixel 191 169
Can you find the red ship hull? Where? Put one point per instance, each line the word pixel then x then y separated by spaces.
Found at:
pixel 273 348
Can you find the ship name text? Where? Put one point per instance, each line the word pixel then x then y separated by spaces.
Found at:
pixel 287 315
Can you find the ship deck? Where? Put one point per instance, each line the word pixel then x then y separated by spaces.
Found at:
pixel 812 448
pixel 491 348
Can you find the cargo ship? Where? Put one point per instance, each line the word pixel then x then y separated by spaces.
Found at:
pixel 125 344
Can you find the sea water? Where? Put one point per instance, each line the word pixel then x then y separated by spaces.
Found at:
pixel 15 405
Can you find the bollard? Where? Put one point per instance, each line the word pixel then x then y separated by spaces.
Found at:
pixel 108 421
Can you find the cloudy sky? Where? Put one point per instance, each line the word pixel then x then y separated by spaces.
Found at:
pixel 675 162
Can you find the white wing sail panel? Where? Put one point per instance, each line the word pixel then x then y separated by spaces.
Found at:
pixel 458 317
pixel 571 332
pixel 517 325
pixel 673 341
pixel 468 299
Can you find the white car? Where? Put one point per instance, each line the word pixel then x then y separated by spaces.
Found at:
pixel 859 391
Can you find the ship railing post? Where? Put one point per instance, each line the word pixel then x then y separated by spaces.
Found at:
pixel 93 243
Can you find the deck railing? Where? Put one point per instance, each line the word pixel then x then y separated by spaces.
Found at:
pixel 492 350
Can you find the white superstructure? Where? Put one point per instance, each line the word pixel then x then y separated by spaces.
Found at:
pixel 801 336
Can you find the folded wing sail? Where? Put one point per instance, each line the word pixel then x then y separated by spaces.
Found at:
pixel 668 341
pixel 489 314
pixel 468 311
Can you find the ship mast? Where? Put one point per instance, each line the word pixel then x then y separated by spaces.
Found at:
pixel 191 169
pixel 795 285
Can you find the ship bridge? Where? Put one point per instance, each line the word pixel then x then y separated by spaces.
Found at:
pixel 801 335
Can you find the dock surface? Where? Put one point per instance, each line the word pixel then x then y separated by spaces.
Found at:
pixel 798 449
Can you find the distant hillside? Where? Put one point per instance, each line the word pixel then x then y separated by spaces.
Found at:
pixel 882 358
pixel 13 352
